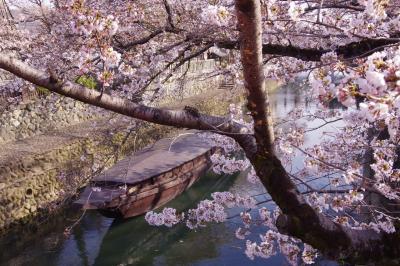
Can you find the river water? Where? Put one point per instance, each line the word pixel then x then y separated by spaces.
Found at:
pixel 97 240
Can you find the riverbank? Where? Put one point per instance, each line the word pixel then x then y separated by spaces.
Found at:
pixel 98 240
pixel 39 174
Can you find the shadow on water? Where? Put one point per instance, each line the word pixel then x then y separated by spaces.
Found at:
pixel 97 240
pixel 135 242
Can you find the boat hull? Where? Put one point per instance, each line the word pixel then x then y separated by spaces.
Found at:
pixel 130 200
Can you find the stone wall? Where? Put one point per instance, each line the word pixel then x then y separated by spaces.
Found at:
pixel 52 146
pixel 33 116
pixel 38 174
pixel 40 181
pixel 41 116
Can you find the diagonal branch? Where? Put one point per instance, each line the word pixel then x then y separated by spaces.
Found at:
pixel 175 118
pixel 143 40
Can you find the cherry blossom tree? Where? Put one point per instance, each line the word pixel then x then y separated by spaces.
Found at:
pixel 349 52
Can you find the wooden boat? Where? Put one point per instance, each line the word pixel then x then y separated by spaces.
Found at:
pixel 148 179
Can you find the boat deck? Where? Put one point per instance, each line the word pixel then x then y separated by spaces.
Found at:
pixel 150 177
pixel 161 157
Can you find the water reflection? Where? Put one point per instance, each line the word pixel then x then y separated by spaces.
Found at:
pixel 138 243
pixel 97 240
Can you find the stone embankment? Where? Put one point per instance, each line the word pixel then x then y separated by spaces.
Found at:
pixel 38 173
pixel 38 116
pixel 33 118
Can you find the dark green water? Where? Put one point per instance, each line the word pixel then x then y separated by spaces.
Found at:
pixel 97 240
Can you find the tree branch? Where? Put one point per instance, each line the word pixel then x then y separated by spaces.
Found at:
pixel 143 40
pixel 175 118
pixel 354 49
pixel 299 219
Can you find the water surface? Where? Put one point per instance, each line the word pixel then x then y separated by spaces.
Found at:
pixel 97 240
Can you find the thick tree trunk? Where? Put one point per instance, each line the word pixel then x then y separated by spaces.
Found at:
pixel 299 219
pixel 249 24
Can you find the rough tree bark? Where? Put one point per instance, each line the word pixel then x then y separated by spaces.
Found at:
pixel 357 49
pixel 176 118
pixel 299 219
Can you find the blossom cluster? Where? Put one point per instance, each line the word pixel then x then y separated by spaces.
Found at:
pixel 207 211
pixel 228 162
pixel 168 217
pixel 216 15
pixel 273 240
pixel 288 246
pixel 370 92
pixel 228 145
pixel 130 45
pixel 224 164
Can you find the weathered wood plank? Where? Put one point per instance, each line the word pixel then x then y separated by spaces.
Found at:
pixel 149 178
pixel 154 160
